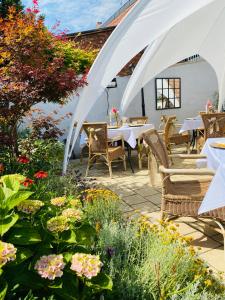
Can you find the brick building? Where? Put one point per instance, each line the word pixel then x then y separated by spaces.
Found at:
pixel 96 38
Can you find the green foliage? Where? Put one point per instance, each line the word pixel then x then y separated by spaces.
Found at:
pixel 59 228
pixel 11 195
pixel 5 4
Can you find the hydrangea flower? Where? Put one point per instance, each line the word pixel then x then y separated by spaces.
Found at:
pixel 58 224
pixel 86 265
pixel 72 213
pixel 7 253
pixel 75 203
pixel 50 266
pixel 59 201
pixel 30 206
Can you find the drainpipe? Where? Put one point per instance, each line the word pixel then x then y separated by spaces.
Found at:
pixel 143 102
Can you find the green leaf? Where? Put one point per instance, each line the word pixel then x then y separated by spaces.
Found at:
pixel 3 289
pixel 101 282
pixel 12 181
pixel 17 198
pixel 86 235
pixel 69 237
pixel 68 289
pixel 24 236
pixel 7 223
pixel 22 254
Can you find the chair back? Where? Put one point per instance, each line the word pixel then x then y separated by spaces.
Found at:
pixel 157 146
pixel 170 128
pixel 214 125
pixel 138 120
pixel 97 137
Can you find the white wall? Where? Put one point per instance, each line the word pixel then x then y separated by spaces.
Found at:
pixel 198 84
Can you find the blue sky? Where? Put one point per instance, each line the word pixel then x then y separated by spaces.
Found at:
pixel 76 15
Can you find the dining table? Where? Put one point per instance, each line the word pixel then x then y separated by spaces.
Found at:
pixel 214 150
pixel 129 132
pixel 194 125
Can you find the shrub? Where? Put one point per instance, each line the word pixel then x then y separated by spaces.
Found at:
pixel 46 248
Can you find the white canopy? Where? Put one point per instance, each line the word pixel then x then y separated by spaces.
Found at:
pixel 150 22
pixel 200 33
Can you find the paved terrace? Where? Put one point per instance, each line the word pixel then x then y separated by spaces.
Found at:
pixel 138 194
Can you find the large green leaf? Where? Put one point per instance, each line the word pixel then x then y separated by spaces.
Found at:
pixel 12 181
pixel 22 254
pixel 85 235
pixel 69 237
pixel 68 288
pixel 7 223
pixel 101 282
pixel 24 236
pixel 17 198
pixel 3 288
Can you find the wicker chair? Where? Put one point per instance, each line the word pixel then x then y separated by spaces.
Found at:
pixel 141 151
pixel 171 137
pixel 138 120
pixel 99 147
pixel 214 125
pixel 183 197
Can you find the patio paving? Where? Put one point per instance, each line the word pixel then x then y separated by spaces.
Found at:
pixel 138 194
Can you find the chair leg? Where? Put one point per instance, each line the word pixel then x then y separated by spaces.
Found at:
pixel 110 168
pixel 139 161
pixel 124 163
pixel 88 168
pixel 223 233
pixel 188 148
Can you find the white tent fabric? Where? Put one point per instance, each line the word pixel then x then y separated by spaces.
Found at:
pixel 147 22
pixel 199 33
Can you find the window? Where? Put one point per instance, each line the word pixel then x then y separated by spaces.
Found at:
pixel 168 93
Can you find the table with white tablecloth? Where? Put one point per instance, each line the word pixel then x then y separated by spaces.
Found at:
pixel 215 196
pixel 191 124
pixel 129 134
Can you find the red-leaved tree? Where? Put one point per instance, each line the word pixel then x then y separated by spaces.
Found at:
pixel 35 66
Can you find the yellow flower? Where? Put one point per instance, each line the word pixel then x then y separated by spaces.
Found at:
pixel 59 201
pixel 208 282
pixel 96 194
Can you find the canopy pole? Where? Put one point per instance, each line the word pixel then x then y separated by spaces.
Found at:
pixel 143 102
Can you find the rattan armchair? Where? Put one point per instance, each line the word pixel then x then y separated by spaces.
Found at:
pixel 99 147
pixel 214 125
pixel 172 137
pixel 180 197
pixel 138 120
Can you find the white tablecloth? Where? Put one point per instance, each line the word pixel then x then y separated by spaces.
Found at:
pixel 130 134
pixel 215 196
pixel 192 124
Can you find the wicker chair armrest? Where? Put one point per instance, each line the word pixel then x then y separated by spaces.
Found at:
pixel 185 171
pixel 188 156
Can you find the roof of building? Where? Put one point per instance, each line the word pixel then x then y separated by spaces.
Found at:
pixel 119 15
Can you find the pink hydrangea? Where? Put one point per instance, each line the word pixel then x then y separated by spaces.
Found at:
pixel 86 265
pixel 50 266
pixel 7 253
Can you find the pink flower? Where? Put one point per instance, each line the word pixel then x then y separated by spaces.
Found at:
pixel 7 253
pixel 114 110
pixel 86 265
pixel 50 266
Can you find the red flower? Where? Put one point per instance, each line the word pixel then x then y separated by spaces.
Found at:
pixel 114 110
pixel 27 182
pixel 1 167
pixel 41 175
pixel 23 160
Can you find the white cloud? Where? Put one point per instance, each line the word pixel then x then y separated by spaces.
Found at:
pixel 76 15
